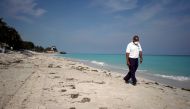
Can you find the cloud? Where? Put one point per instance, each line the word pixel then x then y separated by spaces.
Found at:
pixel 115 5
pixel 154 10
pixel 22 9
pixel 148 12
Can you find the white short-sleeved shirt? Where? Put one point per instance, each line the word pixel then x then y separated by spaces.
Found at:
pixel 133 50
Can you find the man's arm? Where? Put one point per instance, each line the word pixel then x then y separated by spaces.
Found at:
pixel 127 59
pixel 141 56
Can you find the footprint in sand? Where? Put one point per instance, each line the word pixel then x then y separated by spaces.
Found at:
pixel 70 79
pixel 50 66
pixel 103 108
pixel 71 86
pixel 94 70
pixel 56 77
pixel 63 90
pixel 84 100
pixel 73 96
pixel 51 73
pixel 96 82
pixel 58 66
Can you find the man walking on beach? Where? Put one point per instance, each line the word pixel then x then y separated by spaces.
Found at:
pixel 133 52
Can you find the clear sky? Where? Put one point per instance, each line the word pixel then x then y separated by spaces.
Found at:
pixel 102 26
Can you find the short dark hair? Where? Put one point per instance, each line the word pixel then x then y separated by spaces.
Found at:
pixel 135 38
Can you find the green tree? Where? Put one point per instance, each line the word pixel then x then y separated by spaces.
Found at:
pixel 39 49
pixel 28 45
pixel 9 35
pixel 3 30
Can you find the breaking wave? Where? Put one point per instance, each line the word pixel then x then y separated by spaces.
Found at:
pixel 98 63
pixel 178 78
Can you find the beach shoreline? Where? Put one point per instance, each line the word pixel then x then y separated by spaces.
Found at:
pixel 140 74
pixel 43 81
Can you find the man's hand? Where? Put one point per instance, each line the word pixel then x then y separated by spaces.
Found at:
pixel 141 60
pixel 127 59
pixel 128 63
pixel 141 57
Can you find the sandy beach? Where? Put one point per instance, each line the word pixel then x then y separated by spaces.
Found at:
pixel 41 81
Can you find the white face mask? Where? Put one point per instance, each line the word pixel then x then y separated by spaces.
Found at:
pixel 136 43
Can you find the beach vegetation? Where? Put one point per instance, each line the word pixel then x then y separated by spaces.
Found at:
pixel 10 37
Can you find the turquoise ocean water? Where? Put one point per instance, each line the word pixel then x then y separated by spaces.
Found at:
pixel 165 66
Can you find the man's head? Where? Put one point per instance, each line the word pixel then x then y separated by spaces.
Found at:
pixel 136 39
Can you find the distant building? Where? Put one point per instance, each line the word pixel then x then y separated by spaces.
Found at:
pixel 51 49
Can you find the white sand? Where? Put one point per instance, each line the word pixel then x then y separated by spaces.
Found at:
pixel 45 82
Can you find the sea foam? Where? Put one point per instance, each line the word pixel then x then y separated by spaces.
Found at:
pixel 98 63
pixel 178 78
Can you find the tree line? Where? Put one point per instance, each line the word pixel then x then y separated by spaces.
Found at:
pixel 12 38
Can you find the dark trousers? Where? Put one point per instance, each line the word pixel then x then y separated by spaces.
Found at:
pixel 132 69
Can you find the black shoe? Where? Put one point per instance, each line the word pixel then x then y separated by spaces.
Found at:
pixel 126 81
pixel 123 78
pixel 134 84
